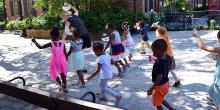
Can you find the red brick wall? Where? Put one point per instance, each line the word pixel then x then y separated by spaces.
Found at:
pixel 16 16
pixel 139 5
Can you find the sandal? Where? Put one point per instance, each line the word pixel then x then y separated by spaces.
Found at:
pixel 63 90
pixel 77 83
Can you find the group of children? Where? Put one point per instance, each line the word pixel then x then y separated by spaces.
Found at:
pixel 120 49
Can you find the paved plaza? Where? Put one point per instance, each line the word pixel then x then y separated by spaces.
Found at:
pixel 19 57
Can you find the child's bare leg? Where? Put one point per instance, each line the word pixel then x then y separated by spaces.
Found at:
pixel 166 104
pixel 118 98
pixel 58 81
pixel 159 107
pixel 118 67
pixel 130 56
pixel 121 63
pixel 63 77
pixel 80 75
pixel 124 67
pixel 174 75
pixel 126 62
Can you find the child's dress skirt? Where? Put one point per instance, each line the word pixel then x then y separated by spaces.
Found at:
pixel 128 43
pixel 76 61
pixel 57 61
pixel 214 90
pixel 117 51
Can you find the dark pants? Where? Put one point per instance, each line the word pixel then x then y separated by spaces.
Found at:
pixel 86 41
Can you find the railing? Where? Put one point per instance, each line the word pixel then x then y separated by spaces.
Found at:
pixel 21 78
pixel 49 100
pixel 89 93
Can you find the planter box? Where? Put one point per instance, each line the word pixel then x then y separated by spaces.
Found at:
pixel 45 34
pixel 40 34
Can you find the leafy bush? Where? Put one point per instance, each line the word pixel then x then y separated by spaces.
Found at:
pixel 41 22
pixel 152 17
pixel 2 25
pixel 1 10
pixel 10 25
pixel 96 21
pixel 213 24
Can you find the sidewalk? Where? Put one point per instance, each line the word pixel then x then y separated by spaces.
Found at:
pixel 194 66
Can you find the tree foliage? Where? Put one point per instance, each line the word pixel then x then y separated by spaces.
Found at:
pixel 95 13
pixel 181 5
pixel 1 10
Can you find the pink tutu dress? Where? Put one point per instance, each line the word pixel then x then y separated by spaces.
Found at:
pixel 128 44
pixel 57 60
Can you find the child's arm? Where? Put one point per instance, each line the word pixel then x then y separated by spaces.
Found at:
pixel 64 51
pixel 111 37
pixel 203 46
pixel 39 46
pixel 125 33
pixel 99 66
pixel 157 81
pixel 70 51
pixel 76 12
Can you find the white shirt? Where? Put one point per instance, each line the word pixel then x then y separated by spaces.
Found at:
pixel 105 61
pixel 67 29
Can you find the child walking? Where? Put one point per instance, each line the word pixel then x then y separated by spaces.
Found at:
pixel 214 90
pixel 161 33
pixel 104 67
pixel 160 73
pixel 141 27
pixel 58 65
pixel 128 41
pixel 77 57
pixel 117 49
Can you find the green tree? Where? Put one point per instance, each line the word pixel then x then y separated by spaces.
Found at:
pixel 1 10
pixel 95 13
pixel 180 5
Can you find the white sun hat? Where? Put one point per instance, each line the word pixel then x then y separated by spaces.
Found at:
pixel 66 7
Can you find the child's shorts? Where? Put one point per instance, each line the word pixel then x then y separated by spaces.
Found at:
pixel 159 93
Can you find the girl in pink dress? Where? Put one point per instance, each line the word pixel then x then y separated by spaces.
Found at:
pixel 58 66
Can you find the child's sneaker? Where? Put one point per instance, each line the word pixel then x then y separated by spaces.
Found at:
pixel 143 53
pixel 82 85
pixel 127 65
pixel 103 99
pixel 177 84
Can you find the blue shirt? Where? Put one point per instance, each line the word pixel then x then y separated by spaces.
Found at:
pixel 143 32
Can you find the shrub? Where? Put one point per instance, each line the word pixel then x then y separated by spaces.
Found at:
pixel 10 25
pixel 2 25
pixel 213 24
pixel 96 21
pixel 152 17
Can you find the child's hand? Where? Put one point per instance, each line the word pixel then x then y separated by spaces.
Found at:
pixel 88 78
pixel 195 34
pixel 150 91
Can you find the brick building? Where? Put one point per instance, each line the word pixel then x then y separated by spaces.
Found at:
pixel 145 5
pixel 24 8
pixel 20 8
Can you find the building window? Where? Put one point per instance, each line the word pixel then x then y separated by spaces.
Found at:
pixel 33 11
pixel 11 7
pixel 19 7
pixel 15 7
pixel 25 8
